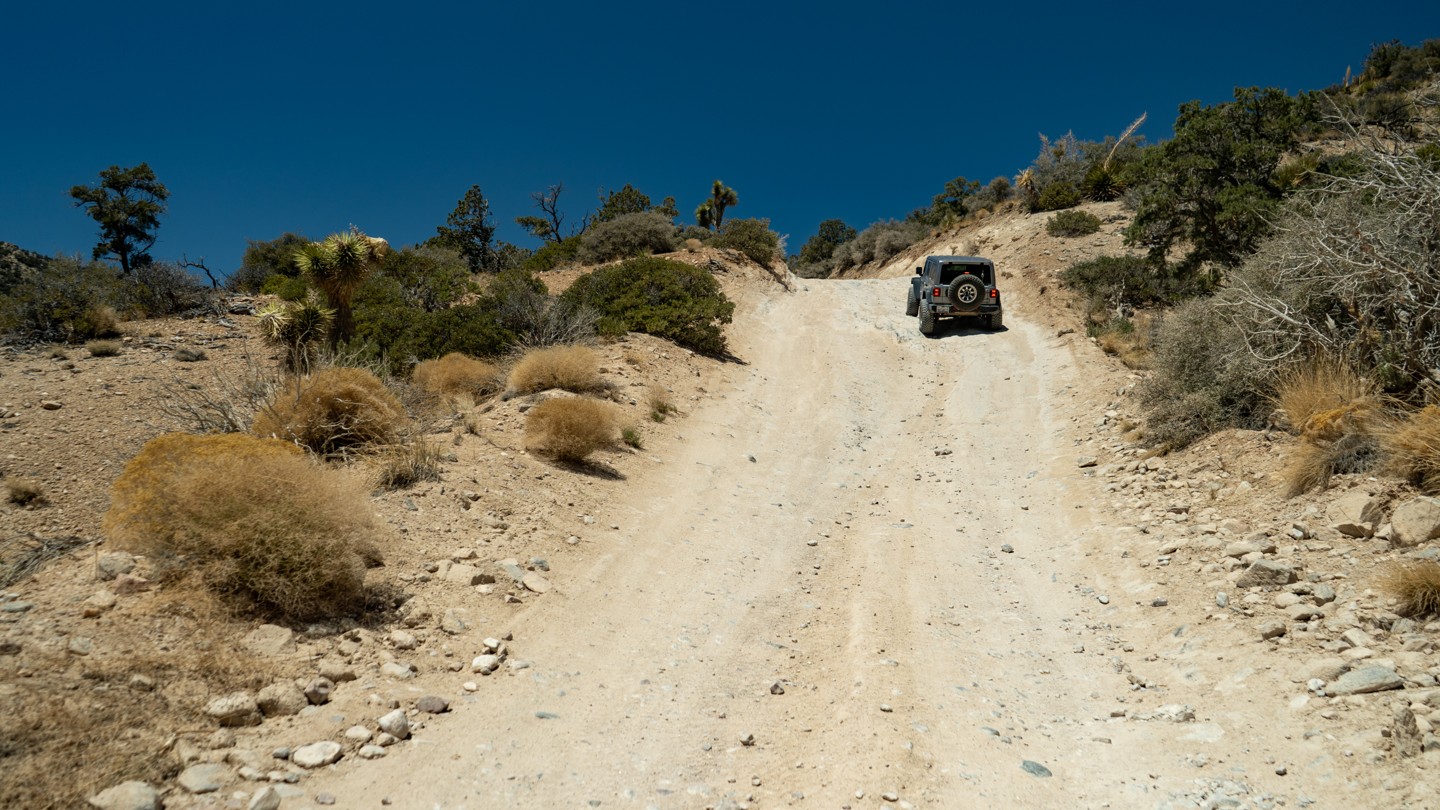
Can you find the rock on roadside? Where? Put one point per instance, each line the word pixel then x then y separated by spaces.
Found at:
pixel 1373 678
pixel 127 796
pixel 1416 521
pixel 316 754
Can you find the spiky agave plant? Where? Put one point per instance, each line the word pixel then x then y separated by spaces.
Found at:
pixel 338 266
pixel 1025 183
pixel 297 328
pixel 1102 182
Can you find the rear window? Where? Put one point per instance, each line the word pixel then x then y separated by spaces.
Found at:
pixel 949 272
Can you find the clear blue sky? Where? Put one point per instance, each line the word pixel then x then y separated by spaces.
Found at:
pixel 265 117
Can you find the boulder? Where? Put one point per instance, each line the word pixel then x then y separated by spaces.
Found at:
pixel 396 724
pixel 127 796
pixel 463 574
pixel 1416 521
pixel 1366 679
pixel 316 754
pixel 206 777
pixel 1266 573
pixel 235 709
pixel 281 699
pixel 318 691
pixel 1355 506
pixel 112 564
pixel 270 639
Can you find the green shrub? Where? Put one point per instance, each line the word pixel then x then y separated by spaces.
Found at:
pixel 696 232
pixel 63 301
pixel 289 288
pixel 877 243
pixel 524 307
pixel 752 237
pixel 159 289
pixel 1058 195
pixel 1103 182
pixel 627 235
pixel 428 278
pixel 1204 377
pixel 253 519
pixel 552 255
pixel 660 297
pixel 1111 282
pixel 995 192
pixel 1212 187
pixel 1072 223
pixel 392 331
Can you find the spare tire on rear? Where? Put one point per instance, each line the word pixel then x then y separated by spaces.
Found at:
pixel 965 292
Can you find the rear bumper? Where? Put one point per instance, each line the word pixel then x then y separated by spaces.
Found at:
pixel 947 311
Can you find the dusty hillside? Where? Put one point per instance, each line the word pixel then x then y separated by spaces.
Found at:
pixel 857 569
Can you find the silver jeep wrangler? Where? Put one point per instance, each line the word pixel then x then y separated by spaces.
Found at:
pixel 954 287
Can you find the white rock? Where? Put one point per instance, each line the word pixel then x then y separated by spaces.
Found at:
pixel 359 734
pixel 485 664
pixel 206 777
pixel 127 796
pixel 270 639
pixel 266 798
pixel 396 724
pixel 235 709
pixel 1416 521
pixel 392 669
pixel 281 699
pixel 371 752
pixel 316 754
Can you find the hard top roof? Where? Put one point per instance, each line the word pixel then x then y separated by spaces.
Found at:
pixel 958 260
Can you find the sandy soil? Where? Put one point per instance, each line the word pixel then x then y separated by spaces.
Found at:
pixel 823 565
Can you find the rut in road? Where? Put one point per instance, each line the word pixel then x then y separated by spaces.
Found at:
pixel 832 523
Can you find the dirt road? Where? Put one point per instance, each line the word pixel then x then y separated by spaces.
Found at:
pixel 893 531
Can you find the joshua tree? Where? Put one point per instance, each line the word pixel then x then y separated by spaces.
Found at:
pixel 711 213
pixel 297 328
pixel 338 266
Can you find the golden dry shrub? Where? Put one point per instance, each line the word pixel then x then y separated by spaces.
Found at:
pixel 456 374
pixel 1414 584
pixel 1324 397
pixel 1412 448
pixel 103 348
pixel 408 464
pixel 256 520
pixel 1337 413
pixel 571 428
pixel 332 411
pixel 572 368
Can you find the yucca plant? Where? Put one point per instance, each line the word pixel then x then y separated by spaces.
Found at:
pixel 297 328
pixel 1025 183
pixel 338 266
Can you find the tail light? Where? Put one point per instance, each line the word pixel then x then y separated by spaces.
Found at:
pixel 934 292
pixel 994 293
